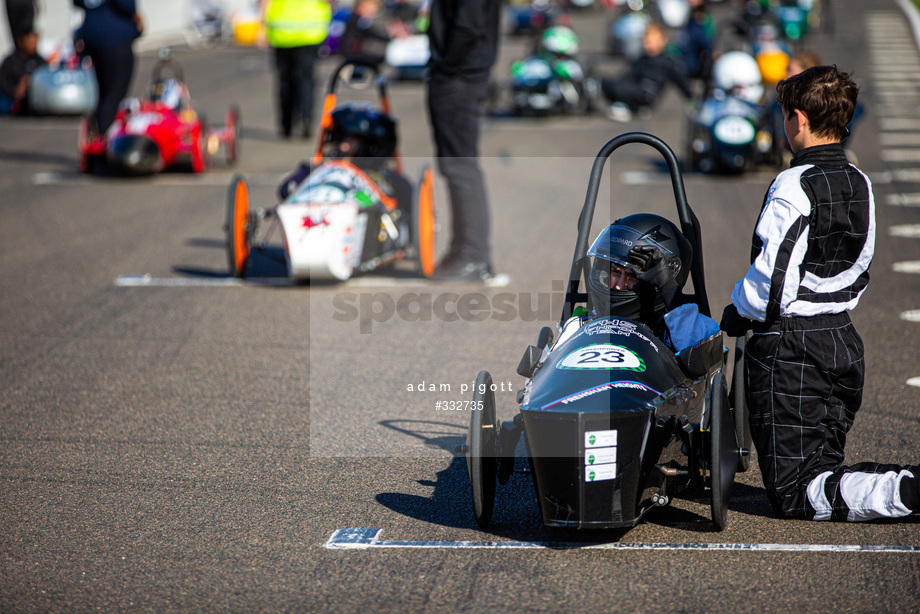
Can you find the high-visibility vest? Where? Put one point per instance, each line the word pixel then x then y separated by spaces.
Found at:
pixel 295 23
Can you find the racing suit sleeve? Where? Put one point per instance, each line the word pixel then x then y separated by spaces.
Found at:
pixel 772 281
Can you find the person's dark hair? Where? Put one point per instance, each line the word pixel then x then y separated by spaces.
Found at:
pixel 824 94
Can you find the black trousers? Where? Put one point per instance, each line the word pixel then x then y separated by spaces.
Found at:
pixel 804 378
pixel 114 68
pixel 295 67
pixel 21 17
pixel 454 111
pixel 631 92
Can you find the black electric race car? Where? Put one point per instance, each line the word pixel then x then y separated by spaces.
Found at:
pixel 614 422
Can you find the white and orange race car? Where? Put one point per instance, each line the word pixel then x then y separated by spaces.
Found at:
pixel 351 210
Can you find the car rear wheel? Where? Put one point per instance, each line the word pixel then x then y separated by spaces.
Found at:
pixel 723 452
pixel 740 412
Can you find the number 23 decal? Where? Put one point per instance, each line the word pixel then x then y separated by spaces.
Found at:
pixel 602 356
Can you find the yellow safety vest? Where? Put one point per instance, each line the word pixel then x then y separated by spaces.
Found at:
pixel 295 23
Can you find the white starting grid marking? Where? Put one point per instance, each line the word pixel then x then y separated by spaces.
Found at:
pixel 901 155
pixel 365 539
pixel 204 179
pixel 912 267
pixel 904 200
pixel 905 175
pixel 898 123
pixel 906 231
pixel 146 281
pixel 894 139
pixel 911 316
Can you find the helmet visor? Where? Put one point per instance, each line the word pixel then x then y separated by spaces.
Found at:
pixel 614 243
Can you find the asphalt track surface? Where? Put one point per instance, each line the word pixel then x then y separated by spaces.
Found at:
pixel 173 441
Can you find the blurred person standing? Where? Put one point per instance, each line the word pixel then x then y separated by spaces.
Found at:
pixel 295 29
pixel 16 72
pixel 21 16
pixel 463 38
pixel 107 37
pixel 364 39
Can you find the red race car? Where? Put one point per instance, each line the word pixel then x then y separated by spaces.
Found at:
pixel 159 132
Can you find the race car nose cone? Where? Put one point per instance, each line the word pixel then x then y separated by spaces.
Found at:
pixel 137 155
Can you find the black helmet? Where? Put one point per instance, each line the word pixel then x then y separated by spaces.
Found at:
pixel 613 245
pixel 360 130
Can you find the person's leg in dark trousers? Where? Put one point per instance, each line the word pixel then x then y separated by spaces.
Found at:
pixel 308 56
pixel 629 92
pixel 114 68
pixel 804 384
pixel 288 65
pixel 454 110
pixel 21 16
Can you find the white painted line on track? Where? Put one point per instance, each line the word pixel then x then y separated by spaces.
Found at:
pixel 898 123
pixel 894 139
pixel 896 76
pixel 903 200
pixel 146 281
pixel 896 110
pixel 205 179
pixel 901 155
pixel 905 175
pixel 907 231
pixel 914 381
pixel 911 316
pixel 655 178
pixel 498 281
pixel 364 539
pixel 912 266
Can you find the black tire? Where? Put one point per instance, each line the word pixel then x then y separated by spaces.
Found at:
pixel 238 222
pixel 723 452
pixel 482 449
pixel 741 415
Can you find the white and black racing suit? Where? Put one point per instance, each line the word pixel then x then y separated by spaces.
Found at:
pixel 812 248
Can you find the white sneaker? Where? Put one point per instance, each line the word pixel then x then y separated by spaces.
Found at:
pixel 619 112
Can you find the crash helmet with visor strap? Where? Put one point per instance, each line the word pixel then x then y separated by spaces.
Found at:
pixel 613 245
pixel 369 133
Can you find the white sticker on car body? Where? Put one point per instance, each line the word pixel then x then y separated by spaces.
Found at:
pixel 602 356
pixel 599 473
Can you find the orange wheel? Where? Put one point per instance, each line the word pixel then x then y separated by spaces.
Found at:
pixel 423 223
pixel 238 226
